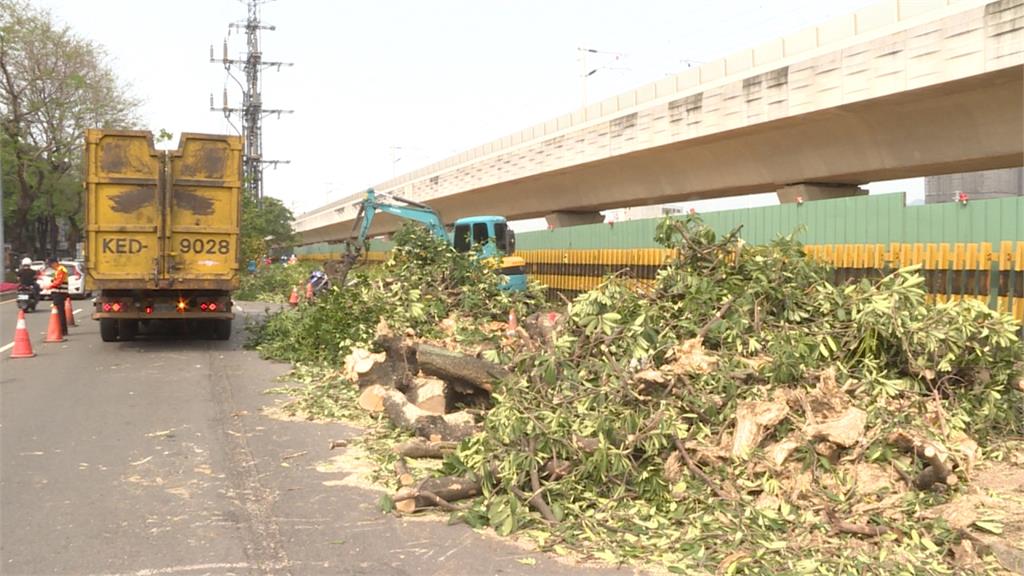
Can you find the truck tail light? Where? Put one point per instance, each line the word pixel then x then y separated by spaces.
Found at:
pixel 106 306
pixel 182 305
pixel 213 307
pixel 149 309
pixel 203 306
pixel 116 307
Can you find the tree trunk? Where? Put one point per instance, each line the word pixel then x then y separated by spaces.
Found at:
pixel 405 414
pixel 450 365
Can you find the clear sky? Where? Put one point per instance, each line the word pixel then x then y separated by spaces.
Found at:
pixel 384 87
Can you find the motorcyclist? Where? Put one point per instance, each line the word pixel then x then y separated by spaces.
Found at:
pixel 319 281
pixel 27 277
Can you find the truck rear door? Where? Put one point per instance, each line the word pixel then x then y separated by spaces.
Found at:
pixel 203 223
pixel 162 219
pixel 124 209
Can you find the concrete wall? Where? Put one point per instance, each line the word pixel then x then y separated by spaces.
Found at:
pixel 978 185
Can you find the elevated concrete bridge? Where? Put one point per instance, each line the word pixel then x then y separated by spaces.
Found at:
pixel 901 89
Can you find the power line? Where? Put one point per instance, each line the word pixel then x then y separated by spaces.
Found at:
pixel 251 111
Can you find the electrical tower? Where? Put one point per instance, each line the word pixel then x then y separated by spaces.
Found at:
pixel 252 111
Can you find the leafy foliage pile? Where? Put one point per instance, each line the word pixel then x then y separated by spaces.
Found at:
pixel 274 283
pixel 622 421
pixel 423 282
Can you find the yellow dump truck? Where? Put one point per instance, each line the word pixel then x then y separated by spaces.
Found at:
pixel 162 231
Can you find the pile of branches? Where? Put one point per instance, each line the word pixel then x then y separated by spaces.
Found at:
pixel 743 413
pixel 423 282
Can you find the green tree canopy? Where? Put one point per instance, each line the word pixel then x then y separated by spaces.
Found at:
pixel 264 228
pixel 53 85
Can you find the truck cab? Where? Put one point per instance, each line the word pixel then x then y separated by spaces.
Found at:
pixel 494 241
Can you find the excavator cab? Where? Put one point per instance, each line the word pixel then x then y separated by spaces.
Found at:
pixel 494 241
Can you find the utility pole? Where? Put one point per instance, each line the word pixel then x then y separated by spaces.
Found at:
pixel 252 111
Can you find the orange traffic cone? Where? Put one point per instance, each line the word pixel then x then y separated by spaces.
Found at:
pixel 513 322
pixel 54 333
pixel 69 312
pixel 294 298
pixel 22 343
pixel 309 290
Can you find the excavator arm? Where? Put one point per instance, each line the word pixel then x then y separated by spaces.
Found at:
pixel 394 205
pixel 399 207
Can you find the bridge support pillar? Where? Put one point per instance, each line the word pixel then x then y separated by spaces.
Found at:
pixel 566 219
pixel 807 191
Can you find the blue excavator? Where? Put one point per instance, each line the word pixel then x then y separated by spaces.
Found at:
pixel 488 236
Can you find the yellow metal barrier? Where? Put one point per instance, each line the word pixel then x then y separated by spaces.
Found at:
pixel 953 272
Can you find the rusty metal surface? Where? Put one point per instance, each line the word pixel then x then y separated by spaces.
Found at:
pixel 162 219
pixel 188 199
pixel 132 200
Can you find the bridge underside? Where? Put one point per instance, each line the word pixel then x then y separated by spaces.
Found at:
pixel 963 126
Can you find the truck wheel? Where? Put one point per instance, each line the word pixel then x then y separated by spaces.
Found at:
pixel 108 329
pixel 222 329
pixel 127 329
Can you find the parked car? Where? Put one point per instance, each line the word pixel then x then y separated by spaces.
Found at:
pixel 76 279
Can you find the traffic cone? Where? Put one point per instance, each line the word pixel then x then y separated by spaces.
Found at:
pixel 54 333
pixel 69 312
pixel 309 290
pixel 22 343
pixel 294 298
pixel 513 322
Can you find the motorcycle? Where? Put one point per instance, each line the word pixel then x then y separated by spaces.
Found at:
pixel 319 281
pixel 28 298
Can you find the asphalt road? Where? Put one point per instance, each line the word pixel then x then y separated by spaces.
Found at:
pixel 153 458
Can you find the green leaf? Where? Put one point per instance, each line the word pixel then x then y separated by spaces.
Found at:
pixel 990 526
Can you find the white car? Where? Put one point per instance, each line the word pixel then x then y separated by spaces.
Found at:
pixel 76 279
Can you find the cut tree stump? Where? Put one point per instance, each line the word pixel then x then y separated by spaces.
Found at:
pixel 428 393
pixel 435 492
pixel 367 368
pixel 449 365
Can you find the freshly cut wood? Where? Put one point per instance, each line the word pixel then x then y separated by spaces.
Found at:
pixel 405 478
pixel 405 414
pixel 435 492
pixel 845 431
pixel 752 419
pixel 779 452
pixel 449 365
pixel 367 368
pixel 360 361
pixel 428 393
pixel 371 398
pixel 937 469
pixel 423 448
pixel 690 357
